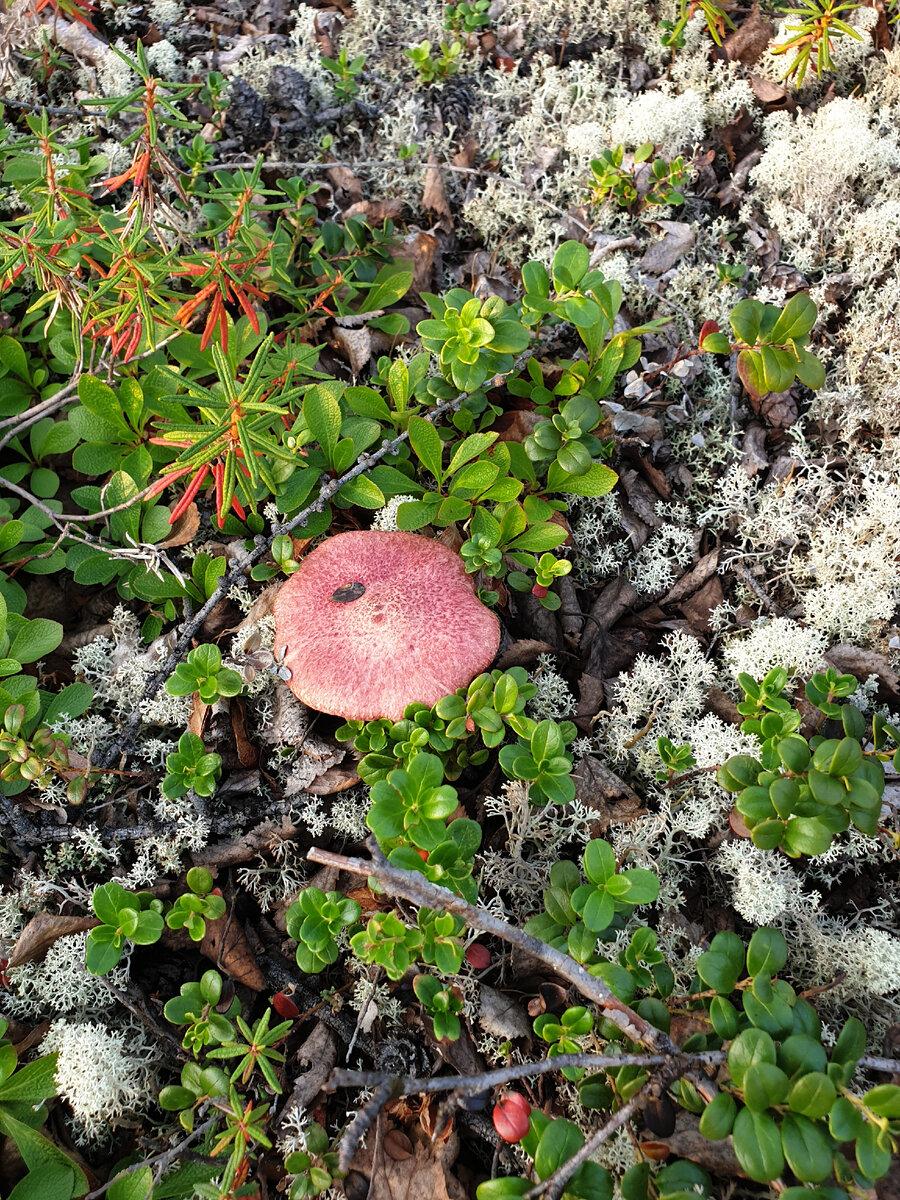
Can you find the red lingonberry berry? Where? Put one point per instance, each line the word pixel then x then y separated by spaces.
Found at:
pixel 511 1116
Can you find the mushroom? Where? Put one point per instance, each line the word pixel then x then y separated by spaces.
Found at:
pixel 373 621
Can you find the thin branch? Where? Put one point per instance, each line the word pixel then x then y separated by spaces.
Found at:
pixel 552 1187
pixel 468 1085
pixel 755 586
pixel 362 1122
pixel 872 1062
pixel 692 774
pixel 319 165
pixel 144 1018
pixel 21 421
pixel 161 1160
pixel 63 519
pixel 410 885
pixel 329 488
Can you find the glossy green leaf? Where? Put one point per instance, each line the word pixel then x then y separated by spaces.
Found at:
pixel 757 1144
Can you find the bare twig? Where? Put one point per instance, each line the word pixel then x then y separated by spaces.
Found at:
pixel 692 774
pixel 21 421
pixel 755 586
pixel 159 1161
pixel 60 520
pixel 412 886
pixel 144 1017
pixel 472 1084
pixel 553 1185
pixel 362 1122
pixel 872 1062
pixel 34 106
pixel 319 165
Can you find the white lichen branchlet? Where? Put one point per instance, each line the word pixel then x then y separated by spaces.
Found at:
pixel 105 1075
pixel 553 700
pixel 61 985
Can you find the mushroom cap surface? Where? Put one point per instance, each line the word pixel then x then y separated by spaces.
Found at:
pixel 373 621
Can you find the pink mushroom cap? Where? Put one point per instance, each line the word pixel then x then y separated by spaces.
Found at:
pixel 374 621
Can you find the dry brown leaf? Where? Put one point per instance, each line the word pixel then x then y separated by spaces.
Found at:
pixel 748 42
pixel 319 1053
pixel 516 424
pixel 376 211
pixel 308 331
pixel 259 840
pixel 698 608
pixel 716 1157
pixel 766 91
pixel 263 606
pixel 661 256
pixel 888 1187
pixel 425 1174
pixel 753 457
pixel 367 900
pixel 655 1151
pixel 694 579
pixel 732 191
pixel 226 945
pixel 723 706
pixel 335 779
pixel 184 529
pixel 34 1038
pixel 397 1145
pixel 853 660
pixel 248 755
pixel 434 198
pixel 199 714
pixel 211 16
pixel 642 498
pixel 42 931
pixel 323 37
pixel 355 345
pixel 605 794
pixel 522 652
pixel 419 249
pixel 347 187
pixel 466 156
pixel 500 1016
pixel 591 694
pixel 451 538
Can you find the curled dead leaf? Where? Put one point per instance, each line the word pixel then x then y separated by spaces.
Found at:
pixel 348 189
pixel 500 1016
pixel 335 779
pixel 42 931
pixel 661 256
pixel 199 714
pixel 226 945
pixel 355 345
pixel 366 899
pixel 523 652
pixel 766 91
pixel 376 211
pixel 516 424
pixel 655 1151
pixel 397 1145
pixel 434 198
pixel 248 756
pixel 749 41
pixel 184 529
